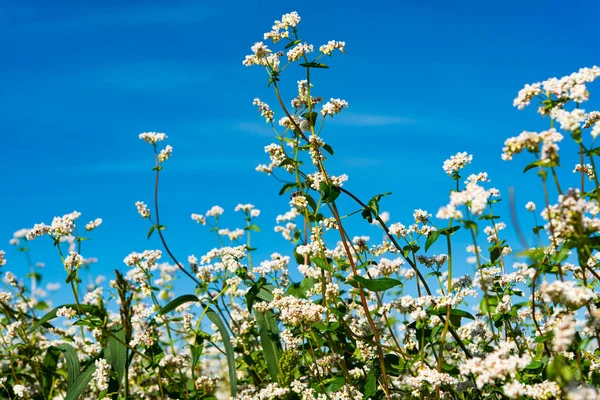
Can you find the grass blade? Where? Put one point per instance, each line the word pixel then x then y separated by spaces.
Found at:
pixel 214 317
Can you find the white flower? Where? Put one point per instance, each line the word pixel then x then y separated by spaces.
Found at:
pixel 457 162
pixel 265 110
pixel 331 46
pixel 66 312
pixel 152 137
pixel 20 390
pixel 299 202
pixel 299 50
pixel 199 218
pixel 530 206
pixel 333 107
pixel 165 153
pixel 142 209
pixel 93 224
pixel 101 374
pixel 215 211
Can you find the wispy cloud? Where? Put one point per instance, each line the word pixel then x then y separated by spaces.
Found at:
pixel 143 76
pixel 372 120
pixel 362 162
pixel 254 128
pixel 181 165
pixel 129 15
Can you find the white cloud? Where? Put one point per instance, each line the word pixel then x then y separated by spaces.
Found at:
pixel 371 120
pixel 138 15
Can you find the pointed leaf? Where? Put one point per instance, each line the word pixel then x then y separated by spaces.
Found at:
pixel 173 304
pixel 214 317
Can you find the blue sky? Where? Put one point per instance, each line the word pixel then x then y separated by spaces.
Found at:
pixel 424 80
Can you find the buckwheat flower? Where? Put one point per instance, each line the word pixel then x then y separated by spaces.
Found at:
pixel 152 137
pixel 260 51
pixel 398 229
pixel 199 218
pixel 525 141
pixel 457 162
pixel 294 122
pixel 93 224
pixel 564 332
pixel 2 258
pixel 20 390
pixel 276 34
pixel 569 121
pixel 254 213
pixel 421 216
pixel 276 153
pixel 331 46
pixel 582 392
pixel 299 202
pixel 165 153
pixel 526 95
pixel 566 293
pixel 5 297
pixel 265 110
pixel 66 312
pixel 10 278
pixel 207 384
pixel 586 169
pixel 215 211
pixel 449 212
pixel 530 206
pixel 101 375
pixel 496 366
pixel 592 118
pixel 298 51
pixel 289 20
pixel 549 146
pixel 170 360
pixel 474 196
pixel 333 107
pixel 142 209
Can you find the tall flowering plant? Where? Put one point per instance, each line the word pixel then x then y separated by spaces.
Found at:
pixel 340 316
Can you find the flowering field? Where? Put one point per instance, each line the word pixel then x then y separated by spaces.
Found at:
pixel 332 315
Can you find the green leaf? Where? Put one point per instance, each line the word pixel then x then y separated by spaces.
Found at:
pixel 287 187
pixel 254 228
pixel 453 312
pixel 173 304
pixel 431 239
pixel 433 236
pixel 72 363
pixel 85 308
pixel 269 339
pixel 214 317
pixel 198 347
pixel 151 231
pixel 367 214
pixel 311 202
pixel 72 275
pixel 80 383
pixel 374 203
pixel 328 148
pixel 49 368
pixel 292 44
pixel 323 263
pixel 313 64
pixel 370 384
pixel 375 285
pixel 330 192
pixel 116 353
